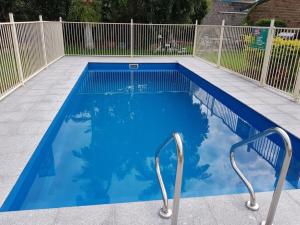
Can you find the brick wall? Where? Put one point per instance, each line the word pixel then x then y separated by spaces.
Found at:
pixel 286 10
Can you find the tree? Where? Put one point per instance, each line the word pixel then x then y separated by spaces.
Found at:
pixel 25 10
pixel 153 11
pixel 145 11
pixel 86 11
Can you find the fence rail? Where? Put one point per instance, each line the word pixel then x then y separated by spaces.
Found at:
pixel 25 49
pixel 30 47
pixel 163 39
pixel 284 61
pixel 269 56
pixel 109 39
pixel 244 50
pixel 54 41
pixel 9 78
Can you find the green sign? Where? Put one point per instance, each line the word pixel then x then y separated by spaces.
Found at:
pixel 260 38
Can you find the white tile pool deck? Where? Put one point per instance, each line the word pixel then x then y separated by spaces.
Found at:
pixel 27 113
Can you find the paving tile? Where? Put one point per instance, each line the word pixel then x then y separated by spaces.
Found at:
pixel 87 215
pixel 287 212
pixel 47 106
pixel 8 165
pixel 145 213
pixel 12 117
pixel 231 208
pixel 40 115
pixel 6 184
pixel 18 143
pixel 34 127
pixel 9 128
pixel 29 217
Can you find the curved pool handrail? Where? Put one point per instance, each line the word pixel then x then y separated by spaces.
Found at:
pixel 252 204
pixel 165 211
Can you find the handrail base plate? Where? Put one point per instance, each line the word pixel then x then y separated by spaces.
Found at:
pixel 252 207
pixel 165 215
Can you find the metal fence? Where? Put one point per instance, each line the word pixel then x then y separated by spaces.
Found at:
pixel 128 39
pixel 163 39
pixel 54 42
pixel 105 39
pixel 9 78
pixel 283 69
pixel 25 49
pixel 267 55
pixel 207 42
pixel 30 47
pixel 238 54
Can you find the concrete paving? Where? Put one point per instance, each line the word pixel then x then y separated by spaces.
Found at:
pixel 28 112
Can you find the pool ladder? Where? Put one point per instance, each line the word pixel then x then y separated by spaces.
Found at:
pixel 166 211
pixel 252 204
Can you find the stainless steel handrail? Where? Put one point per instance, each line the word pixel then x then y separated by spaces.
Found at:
pixel 286 162
pixel 165 211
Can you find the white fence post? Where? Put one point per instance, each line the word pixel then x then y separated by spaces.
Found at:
pixel 16 48
pixel 267 57
pixel 195 38
pixel 62 34
pixel 131 37
pixel 43 39
pixel 221 43
pixel 297 86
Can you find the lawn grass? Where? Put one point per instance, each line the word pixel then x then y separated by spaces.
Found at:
pixel 71 50
pixel 8 72
pixel 238 61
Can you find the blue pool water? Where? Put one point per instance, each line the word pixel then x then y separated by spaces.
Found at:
pixel 100 147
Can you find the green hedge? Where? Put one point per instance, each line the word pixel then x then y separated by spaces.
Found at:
pixel 267 22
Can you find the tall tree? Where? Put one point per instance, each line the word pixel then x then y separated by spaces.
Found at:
pixel 86 11
pixel 154 11
pixel 25 10
pixel 146 11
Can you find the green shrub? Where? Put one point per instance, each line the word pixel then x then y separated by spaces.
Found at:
pixel 267 22
pixel 285 58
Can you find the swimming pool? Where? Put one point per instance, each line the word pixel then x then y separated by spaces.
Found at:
pixel 100 147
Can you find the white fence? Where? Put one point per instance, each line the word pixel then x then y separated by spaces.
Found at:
pixel 9 77
pixel 105 39
pixel 163 39
pixel 25 49
pixel 267 55
pixel 128 39
pixel 54 41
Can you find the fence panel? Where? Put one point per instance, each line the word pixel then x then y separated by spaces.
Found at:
pixel 31 47
pixel 241 52
pixel 9 77
pixel 163 39
pixel 111 39
pixel 207 42
pixel 53 40
pixel 285 60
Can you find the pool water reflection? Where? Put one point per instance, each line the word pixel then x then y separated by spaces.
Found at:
pixel 100 148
